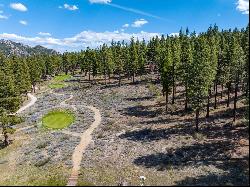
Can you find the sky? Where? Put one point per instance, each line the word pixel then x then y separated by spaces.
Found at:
pixel 72 25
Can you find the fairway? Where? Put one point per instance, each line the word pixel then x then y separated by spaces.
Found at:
pixel 57 85
pixel 58 119
pixel 58 81
pixel 60 78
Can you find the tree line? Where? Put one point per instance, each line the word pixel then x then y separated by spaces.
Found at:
pixel 199 62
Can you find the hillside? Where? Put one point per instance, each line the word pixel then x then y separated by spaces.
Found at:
pixel 8 48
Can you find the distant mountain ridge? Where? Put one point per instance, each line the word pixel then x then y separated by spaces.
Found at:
pixel 8 48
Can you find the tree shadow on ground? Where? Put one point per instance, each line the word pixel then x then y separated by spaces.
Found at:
pixel 185 128
pixel 215 154
pixel 142 111
pixel 232 178
pixel 197 154
pixel 147 135
pixel 236 173
pixel 136 99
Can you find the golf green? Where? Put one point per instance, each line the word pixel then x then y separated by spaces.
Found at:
pixel 59 119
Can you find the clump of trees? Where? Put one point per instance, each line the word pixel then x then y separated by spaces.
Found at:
pixel 199 62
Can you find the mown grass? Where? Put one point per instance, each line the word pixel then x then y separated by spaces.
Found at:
pixel 58 81
pixel 58 119
pixel 57 86
pixel 61 78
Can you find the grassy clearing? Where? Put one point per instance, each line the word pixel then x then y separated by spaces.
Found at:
pixel 58 81
pixel 57 86
pixel 61 78
pixel 58 119
pixel 33 176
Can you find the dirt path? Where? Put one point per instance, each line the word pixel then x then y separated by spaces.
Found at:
pixel 32 102
pixel 86 138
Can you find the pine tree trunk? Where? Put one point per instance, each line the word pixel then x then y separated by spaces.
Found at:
pixel 166 101
pixel 215 96
pixel 186 98
pixel 119 79
pixel 89 76
pixel 173 97
pixel 133 77
pixel 208 103
pixel 247 89
pixel 6 138
pixel 235 99
pixel 105 77
pixel 228 94
pixel 34 88
pixel 197 119
pixel 222 89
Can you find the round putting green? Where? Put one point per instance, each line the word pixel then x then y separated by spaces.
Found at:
pixel 58 119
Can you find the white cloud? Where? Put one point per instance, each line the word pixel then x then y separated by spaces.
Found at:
pixel 243 6
pixel 44 34
pixel 100 1
pixel 23 22
pixel 80 41
pixel 19 7
pixel 139 23
pixel 109 2
pixel 3 17
pixel 69 7
pixel 125 25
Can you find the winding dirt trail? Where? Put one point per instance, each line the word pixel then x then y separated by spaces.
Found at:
pixel 86 138
pixel 32 102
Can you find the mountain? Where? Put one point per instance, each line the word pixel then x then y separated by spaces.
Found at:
pixel 8 48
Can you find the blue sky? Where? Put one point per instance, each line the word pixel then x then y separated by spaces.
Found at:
pixel 75 24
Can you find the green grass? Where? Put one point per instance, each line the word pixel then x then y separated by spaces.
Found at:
pixel 61 78
pixel 57 85
pixel 58 81
pixel 59 119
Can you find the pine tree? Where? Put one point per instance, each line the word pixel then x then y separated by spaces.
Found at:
pixel 9 98
pixel 35 71
pixel 133 59
pixel 213 47
pixel 142 57
pixel 166 70
pixel 200 76
pixel 186 61
pixel 237 60
pixel 176 51
pixel 22 76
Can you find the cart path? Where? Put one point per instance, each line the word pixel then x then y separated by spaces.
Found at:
pixel 86 138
